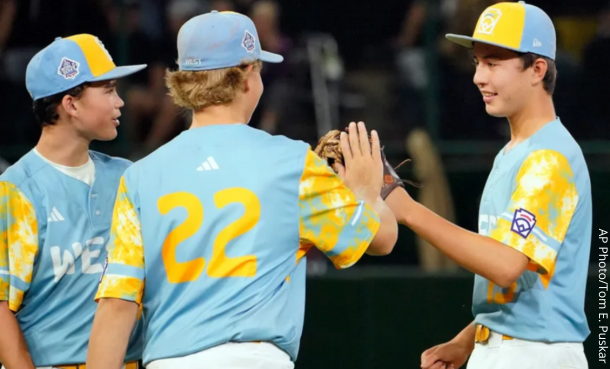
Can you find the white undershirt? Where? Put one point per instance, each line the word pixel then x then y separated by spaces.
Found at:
pixel 85 172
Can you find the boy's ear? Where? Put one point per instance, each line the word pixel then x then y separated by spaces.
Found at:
pixel 67 103
pixel 249 70
pixel 539 68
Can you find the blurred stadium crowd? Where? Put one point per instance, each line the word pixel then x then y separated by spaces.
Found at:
pixel 386 63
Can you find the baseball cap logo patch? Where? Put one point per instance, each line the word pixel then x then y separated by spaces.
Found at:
pixel 68 68
pixel 249 43
pixel 489 20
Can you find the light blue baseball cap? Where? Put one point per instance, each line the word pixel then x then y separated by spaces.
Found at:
pixel 69 62
pixel 220 40
pixel 520 27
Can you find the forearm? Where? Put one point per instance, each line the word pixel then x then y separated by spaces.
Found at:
pixel 387 235
pixel 112 327
pixel 13 348
pixel 466 337
pixel 479 254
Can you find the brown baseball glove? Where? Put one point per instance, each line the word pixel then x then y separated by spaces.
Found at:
pixel 329 149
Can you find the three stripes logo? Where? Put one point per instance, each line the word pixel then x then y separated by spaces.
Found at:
pixel 208 164
pixel 55 216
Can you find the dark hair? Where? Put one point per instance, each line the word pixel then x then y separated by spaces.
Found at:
pixel 550 78
pixel 45 109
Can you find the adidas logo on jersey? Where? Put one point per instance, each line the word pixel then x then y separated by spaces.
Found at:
pixel 55 216
pixel 208 164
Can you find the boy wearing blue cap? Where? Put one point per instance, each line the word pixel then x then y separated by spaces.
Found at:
pixel 55 209
pixel 215 249
pixel 531 253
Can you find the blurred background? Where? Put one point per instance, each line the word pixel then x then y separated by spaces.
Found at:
pixel 384 62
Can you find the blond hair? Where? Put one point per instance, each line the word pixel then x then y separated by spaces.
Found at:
pixel 199 89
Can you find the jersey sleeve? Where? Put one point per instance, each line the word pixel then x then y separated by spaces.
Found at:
pixel 540 210
pixel 123 276
pixel 18 244
pixel 331 218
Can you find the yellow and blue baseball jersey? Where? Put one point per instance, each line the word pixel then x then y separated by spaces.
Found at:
pixel 210 236
pixel 537 200
pixel 53 235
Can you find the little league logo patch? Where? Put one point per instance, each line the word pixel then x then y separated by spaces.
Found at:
pixel 523 222
pixel 249 43
pixel 489 20
pixel 68 68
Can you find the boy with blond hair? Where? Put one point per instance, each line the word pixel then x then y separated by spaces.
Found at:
pixel 210 232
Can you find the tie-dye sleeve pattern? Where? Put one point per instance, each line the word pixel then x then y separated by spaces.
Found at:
pixel 18 244
pixel 331 218
pixel 123 276
pixel 540 209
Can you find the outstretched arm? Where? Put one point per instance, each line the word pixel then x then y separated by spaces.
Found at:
pixel 526 234
pixel 480 254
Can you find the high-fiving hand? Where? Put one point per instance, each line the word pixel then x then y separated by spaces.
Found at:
pixel 363 170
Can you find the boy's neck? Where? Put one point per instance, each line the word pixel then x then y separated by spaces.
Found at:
pixel 63 146
pixel 529 120
pixel 218 115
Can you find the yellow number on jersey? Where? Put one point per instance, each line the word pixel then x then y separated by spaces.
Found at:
pixel 243 266
pixel 188 271
pixel 220 265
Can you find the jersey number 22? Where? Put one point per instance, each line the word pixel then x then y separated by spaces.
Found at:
pixel 219 265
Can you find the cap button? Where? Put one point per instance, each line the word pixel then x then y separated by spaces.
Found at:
pixel 521 2
pixel 57 38
pixel 214 11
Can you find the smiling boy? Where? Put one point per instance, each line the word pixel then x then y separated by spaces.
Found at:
pixel 531 253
